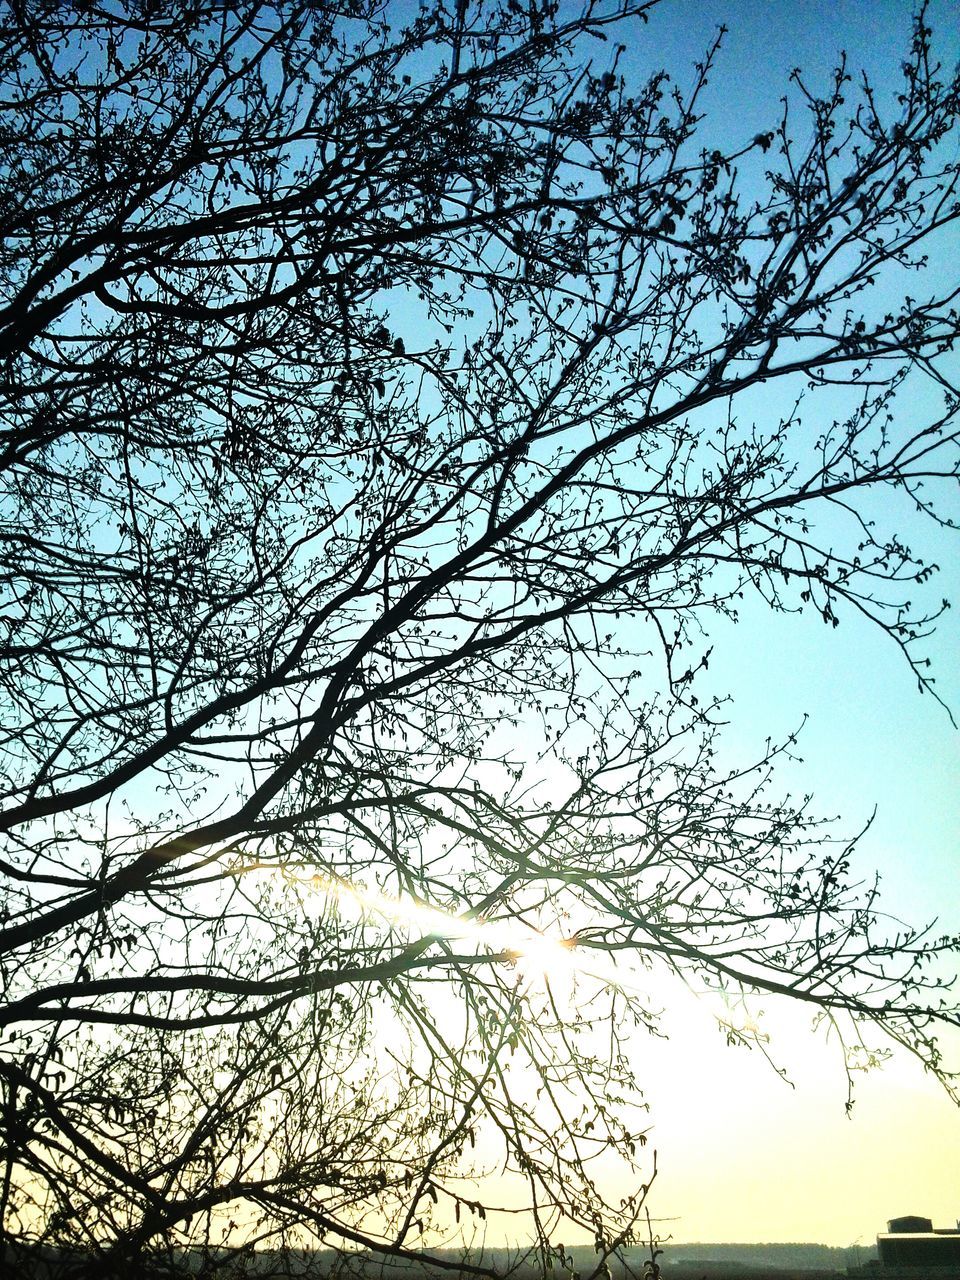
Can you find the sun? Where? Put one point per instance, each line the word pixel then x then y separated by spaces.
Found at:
pixel 536 955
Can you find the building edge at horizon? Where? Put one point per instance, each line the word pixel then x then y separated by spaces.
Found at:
pixel 913 1248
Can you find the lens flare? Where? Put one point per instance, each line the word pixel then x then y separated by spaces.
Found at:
pixel 522 941
pixel 536 955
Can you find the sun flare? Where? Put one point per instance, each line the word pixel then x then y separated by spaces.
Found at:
pixel 539 957
pixel 535 954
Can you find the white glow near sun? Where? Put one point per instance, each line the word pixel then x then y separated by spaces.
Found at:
pixel 535 953
pixel 538 956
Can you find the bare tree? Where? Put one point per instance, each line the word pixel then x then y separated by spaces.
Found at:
pixel 370 479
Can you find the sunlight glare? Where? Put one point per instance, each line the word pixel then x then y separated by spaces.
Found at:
pixel 535 954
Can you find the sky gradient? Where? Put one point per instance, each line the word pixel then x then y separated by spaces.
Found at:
pixel 742 1155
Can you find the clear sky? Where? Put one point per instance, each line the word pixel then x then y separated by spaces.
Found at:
pixel 742 1156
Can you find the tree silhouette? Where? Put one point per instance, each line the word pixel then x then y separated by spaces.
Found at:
pixel 370 478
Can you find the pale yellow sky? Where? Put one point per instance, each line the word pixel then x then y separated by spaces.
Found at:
pixel 744 1157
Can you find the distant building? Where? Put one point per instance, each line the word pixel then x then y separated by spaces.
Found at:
pixel 912 1247
pixel 900 1226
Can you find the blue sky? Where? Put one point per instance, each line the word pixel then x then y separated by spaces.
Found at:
pixel 742 1156
pixel 871 738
